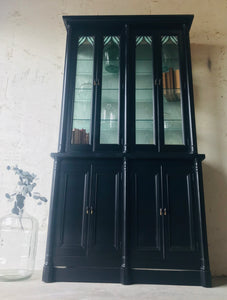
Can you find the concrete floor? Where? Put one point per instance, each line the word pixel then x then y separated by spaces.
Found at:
pixel 35 289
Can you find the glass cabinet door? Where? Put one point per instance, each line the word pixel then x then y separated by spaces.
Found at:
pixel 144 101
pixel 98 91
pixel 172 100
pixel 81 128
pixel 110 91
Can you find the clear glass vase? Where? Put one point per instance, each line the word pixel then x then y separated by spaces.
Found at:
pixel 18 244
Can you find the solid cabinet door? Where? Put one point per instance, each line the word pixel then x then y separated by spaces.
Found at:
pixel 180 214
pixel 105 213
pixel 72 217
pixel 145 203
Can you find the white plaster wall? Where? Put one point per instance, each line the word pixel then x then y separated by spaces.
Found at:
pixel 32 45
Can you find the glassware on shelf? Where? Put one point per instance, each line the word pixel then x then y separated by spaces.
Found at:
pixel 18 244
pixel 111 54
pixel 109 123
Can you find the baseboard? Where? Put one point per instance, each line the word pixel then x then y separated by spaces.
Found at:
pixel 134 276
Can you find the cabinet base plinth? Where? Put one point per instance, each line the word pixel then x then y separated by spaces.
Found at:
pixel 206 279
pixel 127 276
pixel 48 272
pixel 172 277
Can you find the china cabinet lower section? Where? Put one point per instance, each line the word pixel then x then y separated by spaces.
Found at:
pixel 127 220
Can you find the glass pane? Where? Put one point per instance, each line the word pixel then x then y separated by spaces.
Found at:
pixel 172 103
pixel 144 91
pixel 83 91
pixel 109 126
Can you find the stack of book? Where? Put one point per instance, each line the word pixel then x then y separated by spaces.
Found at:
pixel 171 84
pixel 80 136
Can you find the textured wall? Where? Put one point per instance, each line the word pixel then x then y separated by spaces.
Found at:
pixel 32 45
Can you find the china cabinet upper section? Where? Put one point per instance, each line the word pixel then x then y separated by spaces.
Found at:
pixel 128 85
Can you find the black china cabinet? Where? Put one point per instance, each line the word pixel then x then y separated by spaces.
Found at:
pixel 127 199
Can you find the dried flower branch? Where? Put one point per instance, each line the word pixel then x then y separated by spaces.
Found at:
pixel 24 189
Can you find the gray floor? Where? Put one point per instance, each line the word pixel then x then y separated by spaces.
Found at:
pixel 34 288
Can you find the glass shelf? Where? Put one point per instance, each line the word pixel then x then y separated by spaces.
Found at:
pixel 171 125
pixel 82 100
pixel 144 124
pixel 109 124
pixel 143 72
pixel 174 137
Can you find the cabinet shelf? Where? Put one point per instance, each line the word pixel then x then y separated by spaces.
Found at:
pixel 143 60
pixel 144 73
pixel 80 119
pixel 83 100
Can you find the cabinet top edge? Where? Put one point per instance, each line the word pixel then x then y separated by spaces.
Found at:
pixel 131 19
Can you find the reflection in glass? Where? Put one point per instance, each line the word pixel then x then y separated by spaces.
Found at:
pixel 172 104
pixel 144 91
pixel 83 91
pixel 109 125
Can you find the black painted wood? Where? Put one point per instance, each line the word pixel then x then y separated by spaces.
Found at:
pixel 182 244
pixel 105 214
pixel 145 204
pixel 159 21
pixel 127 213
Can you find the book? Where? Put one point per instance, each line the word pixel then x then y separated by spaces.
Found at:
pixel 87 138
pixel 171 75
pixel 79 136
pixel 177 79
pixel 164 80
pixel 167 80
pixel 75 136
pixel 83 141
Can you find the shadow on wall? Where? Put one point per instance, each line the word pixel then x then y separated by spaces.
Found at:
pixel 215 186
pixel 209 77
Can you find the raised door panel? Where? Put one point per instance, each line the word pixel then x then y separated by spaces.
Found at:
pixel 145 203
pixel 105 214
pixel 180 217
pixel 71 220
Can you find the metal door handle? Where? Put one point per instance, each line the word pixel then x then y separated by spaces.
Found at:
pixel 87 210
pixel 92 210
pixel 163 211
pixel 157 81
